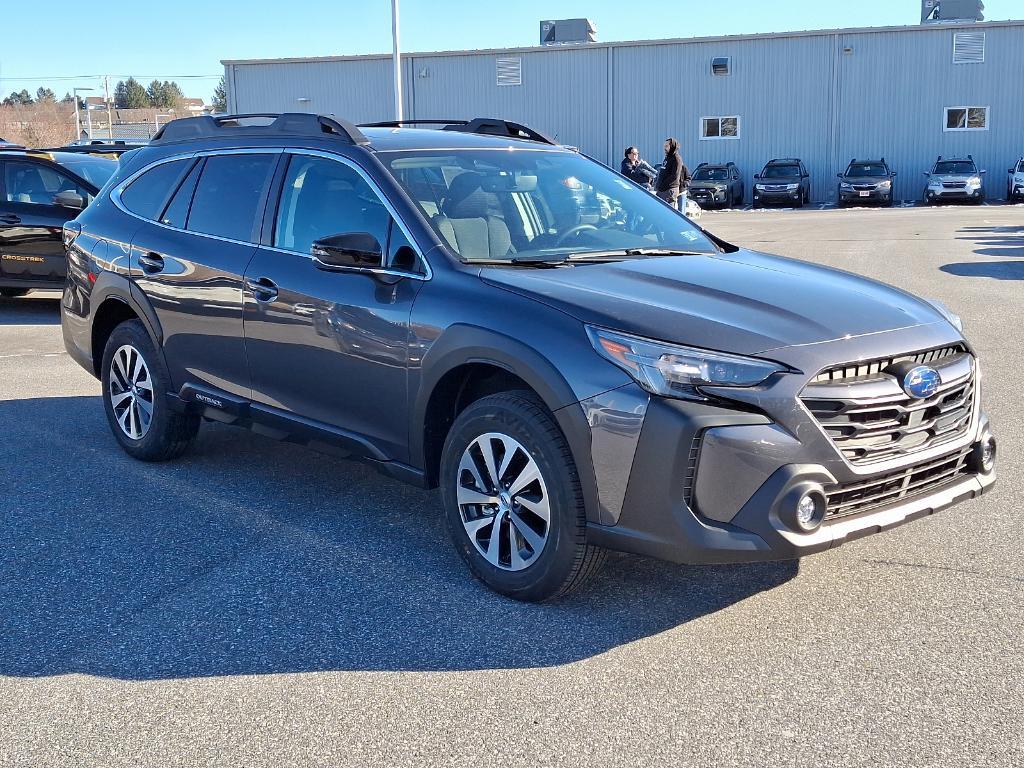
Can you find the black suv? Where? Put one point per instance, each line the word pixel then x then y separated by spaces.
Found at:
pixel 717 186
pixel 574 363
pixel 39 191
pixel 866 181
pixel 782 182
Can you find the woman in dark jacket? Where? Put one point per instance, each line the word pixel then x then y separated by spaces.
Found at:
pixel 674 175
pixel 636 169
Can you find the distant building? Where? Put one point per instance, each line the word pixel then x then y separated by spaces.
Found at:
pixel 906 93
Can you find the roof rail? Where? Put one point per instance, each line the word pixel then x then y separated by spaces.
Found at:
pixel 490 126
pixel 400 123
pixel 290 123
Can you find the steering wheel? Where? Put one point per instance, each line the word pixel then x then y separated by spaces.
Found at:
pixel 573 231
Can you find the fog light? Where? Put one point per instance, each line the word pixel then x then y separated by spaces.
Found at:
pixel 983 456
pixel 805 512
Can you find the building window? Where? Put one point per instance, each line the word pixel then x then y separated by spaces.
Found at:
pixel 721 65
pixel 966 119
pixel 719 127
pixel 968 47
pixel 510 71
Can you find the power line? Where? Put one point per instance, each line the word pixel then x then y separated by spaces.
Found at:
pixel 67 78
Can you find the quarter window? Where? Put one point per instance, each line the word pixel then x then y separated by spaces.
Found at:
pixel 720 127
pixel 966 119
pixel 177 211
pixel 147 195
pixel 36 184
pixel 227 198
pixel 324 197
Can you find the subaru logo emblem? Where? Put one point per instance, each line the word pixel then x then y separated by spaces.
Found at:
pixel 921 382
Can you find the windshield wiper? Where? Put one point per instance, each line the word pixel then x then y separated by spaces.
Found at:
pixel 611 254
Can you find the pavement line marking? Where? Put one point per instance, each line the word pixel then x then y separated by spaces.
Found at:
pixel 33 354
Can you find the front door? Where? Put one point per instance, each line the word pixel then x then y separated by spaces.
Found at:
pixel 331 346
pixel 31 245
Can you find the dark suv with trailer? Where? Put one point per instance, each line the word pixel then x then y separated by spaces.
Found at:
pixel 954 179
pixel 441 304
pixel 717 186
pixel 39 191
pixel 783 182
pixel 866 181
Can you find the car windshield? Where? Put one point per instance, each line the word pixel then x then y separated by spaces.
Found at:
pixel 955 167
pixel 95 170
pixel 866 169
pixel 525 204
pixel 780 172
pixel 711 174
pixel 1020 167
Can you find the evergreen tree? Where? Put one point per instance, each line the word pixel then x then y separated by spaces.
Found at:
pixel 156 94
pixel 135 96
pixel 220 97
pixel 45 96
pixel 120 95
pixel 22 97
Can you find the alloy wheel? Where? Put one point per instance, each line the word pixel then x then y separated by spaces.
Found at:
pixel 503 501
pixel 131 392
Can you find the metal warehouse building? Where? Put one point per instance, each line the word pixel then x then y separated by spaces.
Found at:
pixel 905 93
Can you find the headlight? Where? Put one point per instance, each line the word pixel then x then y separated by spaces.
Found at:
pixel 885 185
pixel 845 186
pixel 759 187
pixel 974 181
pixel 1018 178
pixel 953 318
pixel 791 187
pixel 674 371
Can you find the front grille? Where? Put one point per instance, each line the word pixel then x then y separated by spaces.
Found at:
pixel 954 184
pixel 863 496
pixel 869 427
pixel 865 187
pixel 875 367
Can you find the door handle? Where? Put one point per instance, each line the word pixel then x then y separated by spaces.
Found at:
pixel 151 263
pixel 10 218
pixel 263 288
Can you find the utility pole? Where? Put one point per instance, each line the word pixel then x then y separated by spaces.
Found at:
pixel 78 117
pixel 106 97
pixel 397 60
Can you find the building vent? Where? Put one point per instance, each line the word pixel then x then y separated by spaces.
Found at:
pixel 721 65
pixel 510 71
pixel 968 47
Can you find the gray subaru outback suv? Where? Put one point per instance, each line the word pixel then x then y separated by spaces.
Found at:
pixel 575 365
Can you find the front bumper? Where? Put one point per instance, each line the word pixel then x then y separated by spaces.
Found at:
pixel 776 197
pixel 708 198
pixel 935 195
pixel 871 196
pixel 713 485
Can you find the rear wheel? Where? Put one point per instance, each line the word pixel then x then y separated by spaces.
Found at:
pixel 135 384
pixel 13 293
pixel 513 501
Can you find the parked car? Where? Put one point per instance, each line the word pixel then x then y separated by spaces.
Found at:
pixel 39 192
pixel 112 149
pixel 954 178
pixel 717 186
pixel 866 181
pixel 429 300
pixel 1015 182
pixel 782 182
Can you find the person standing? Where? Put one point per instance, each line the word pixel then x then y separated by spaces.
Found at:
pixel 637 169
pixel 674 176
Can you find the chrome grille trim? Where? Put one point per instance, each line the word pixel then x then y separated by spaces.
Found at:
pixel 920 480
pixel 875 367
pixel 870 419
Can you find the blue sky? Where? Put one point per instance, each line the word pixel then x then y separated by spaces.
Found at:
pixel 186 41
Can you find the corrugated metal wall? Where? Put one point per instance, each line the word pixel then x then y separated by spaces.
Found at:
pixel 825 97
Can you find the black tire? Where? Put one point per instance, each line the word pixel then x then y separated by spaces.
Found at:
pixel 13 293
pixel 565 561
pixel 169 434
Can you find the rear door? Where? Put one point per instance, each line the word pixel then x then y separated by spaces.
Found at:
pixel 202 219
pixel 31 248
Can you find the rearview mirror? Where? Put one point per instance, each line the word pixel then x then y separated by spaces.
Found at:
pixel 349 250
pixel 69 199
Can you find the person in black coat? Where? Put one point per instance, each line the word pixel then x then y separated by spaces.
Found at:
pixel 640 171
pixel 674 176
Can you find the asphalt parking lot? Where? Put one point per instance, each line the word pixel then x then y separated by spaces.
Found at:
pixel 258 604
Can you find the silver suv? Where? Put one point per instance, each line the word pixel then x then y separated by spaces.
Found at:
pixel 954 178
pixel 1015 182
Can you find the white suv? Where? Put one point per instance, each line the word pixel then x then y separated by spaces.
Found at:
pixel 1015 182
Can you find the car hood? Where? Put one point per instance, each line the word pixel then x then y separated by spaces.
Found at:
pixel 707 184
pixel 952 176
pixel 780 180
pixel 864 179
pixel 744 302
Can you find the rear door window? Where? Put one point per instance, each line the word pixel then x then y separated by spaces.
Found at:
pixel 148 194
pixel 228 197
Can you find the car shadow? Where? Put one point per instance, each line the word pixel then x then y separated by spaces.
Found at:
pixel 34 309
pixel 254 557
pixel 998 270
pixel 1000 241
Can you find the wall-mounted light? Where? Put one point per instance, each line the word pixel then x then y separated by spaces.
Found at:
pixel 303 99
pixel 848 50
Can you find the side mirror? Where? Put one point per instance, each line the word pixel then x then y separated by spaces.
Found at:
pixel 350 250
pixel 839 175
pixel 757 175
pixel 894 174
pixel 926 173
pixel 1010 170
pixel 69 199
pixel 984 171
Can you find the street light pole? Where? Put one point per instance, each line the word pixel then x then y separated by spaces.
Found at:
pixel 397 60
pixel 78 117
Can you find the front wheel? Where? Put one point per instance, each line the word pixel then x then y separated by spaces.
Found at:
pixel 513 501
pixel 135 384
